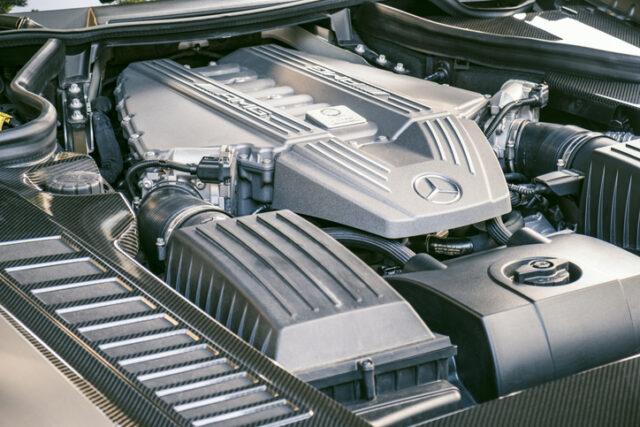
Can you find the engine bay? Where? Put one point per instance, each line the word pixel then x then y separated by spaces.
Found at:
pixel 409 232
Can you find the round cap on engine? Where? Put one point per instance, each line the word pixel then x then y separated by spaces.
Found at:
pixel 76 182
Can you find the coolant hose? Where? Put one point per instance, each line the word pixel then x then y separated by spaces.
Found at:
pixel 448 246
pixel 515 199
pixel 501 232
pixel 396 251
pixel 110 155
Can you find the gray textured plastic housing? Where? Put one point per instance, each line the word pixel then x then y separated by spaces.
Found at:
pixel 300 297
pixel 393 155
pixel 610 205
pixel 512 336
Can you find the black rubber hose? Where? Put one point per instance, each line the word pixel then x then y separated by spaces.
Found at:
pixel 501 232
pixel 165 209
pixel 36 140
pixel 540 146
pixel 521 189
pixel 449 246
pixel 132 173
pixel 396 251
pixel 108 148
pixel 515 199
pixel 515 176
pixel 503 112
pixel 498 231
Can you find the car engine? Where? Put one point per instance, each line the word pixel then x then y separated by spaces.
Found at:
pixel 278 225
pixel 292 132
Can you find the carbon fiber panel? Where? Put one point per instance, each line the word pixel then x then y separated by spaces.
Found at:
pixel 151 352
pixel 605 396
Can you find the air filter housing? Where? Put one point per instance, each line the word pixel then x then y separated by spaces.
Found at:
pixel 303 299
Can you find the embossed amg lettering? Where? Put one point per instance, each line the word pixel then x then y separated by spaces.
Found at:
pixel 346 80
pixel 243 103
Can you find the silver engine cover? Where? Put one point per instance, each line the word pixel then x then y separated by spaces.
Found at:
pixel 392 155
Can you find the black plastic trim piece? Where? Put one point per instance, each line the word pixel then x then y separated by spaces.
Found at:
pixel 429 37
pixel 227 24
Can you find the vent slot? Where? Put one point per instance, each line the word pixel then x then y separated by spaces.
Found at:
pixel 81 290
pixel 104 310
pixel 33 248
pixel 54 270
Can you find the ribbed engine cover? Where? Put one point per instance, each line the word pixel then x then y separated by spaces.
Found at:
pixel 356 151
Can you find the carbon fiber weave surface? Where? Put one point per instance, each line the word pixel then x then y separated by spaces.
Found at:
pixel 88 227
pixel 605 396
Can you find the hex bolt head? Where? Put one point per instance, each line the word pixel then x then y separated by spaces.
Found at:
pixel 541 264
pixel 77 116
pixel 76 104
pixel 74 89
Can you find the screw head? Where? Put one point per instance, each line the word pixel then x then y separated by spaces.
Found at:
pixel 541 264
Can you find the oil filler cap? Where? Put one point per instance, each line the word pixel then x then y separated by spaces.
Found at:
pixel 543 272
pixel 76 182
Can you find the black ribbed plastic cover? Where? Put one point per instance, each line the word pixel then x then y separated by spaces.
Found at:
pixel 298 295
pixel 610 205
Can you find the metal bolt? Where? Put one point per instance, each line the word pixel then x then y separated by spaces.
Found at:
pixel 359 49
pixel 76 104
pixel 243 156
pixel 77 116
pixel 266 161
pixel 147 184
pixel 541 264
pixel 399 67
pixel 382 59
pixel 560 164
pixel 366 364
pixel 74 89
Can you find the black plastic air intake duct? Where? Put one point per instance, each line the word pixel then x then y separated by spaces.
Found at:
pixel 609 206
pixel 542 147
pixel 166 208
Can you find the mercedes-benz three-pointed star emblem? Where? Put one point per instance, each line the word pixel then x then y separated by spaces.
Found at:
pixel 437 188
